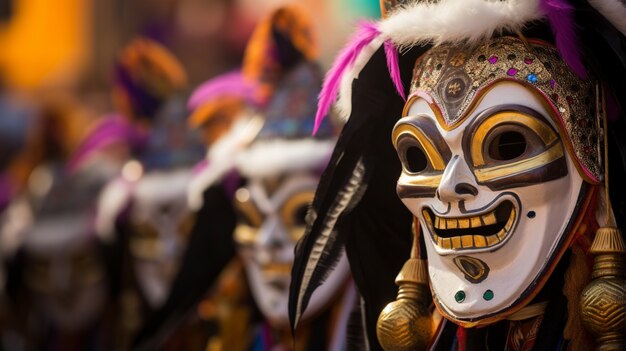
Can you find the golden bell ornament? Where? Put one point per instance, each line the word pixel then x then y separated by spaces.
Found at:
pixel 406 324
pixel 603 301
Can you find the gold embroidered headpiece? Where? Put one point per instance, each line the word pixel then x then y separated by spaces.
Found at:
pixel 453 76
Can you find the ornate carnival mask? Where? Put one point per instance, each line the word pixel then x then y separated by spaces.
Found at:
pixel 498 143
pixel 272 219
pixel 64 266
pixel 67 278
pixel 161 222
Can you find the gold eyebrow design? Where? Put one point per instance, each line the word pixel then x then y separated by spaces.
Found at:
pixel 431 181
pixel 432 153
pixel 545 133
pixel 492 173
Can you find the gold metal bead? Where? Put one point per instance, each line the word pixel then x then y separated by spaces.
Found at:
pixel 406 324
pixel 603 301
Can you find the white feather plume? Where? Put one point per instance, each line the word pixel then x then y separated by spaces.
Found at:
pixel 445 21
pixel 457 21
pixel 221 157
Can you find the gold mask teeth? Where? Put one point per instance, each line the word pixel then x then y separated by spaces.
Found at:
pixel 460 225
pixel 464 223
pixel 492 240
pixel 475 222
pixel 447 243
pixel 480 241
pixel 452 223
pixel 489 218
pixel 426 216
pixel 509 222
pixel 456 242
pixel 502 234
pixel 467 241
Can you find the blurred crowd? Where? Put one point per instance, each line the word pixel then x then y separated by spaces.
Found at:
pixel 156 167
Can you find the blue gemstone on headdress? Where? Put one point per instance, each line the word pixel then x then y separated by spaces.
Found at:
pixel 532 78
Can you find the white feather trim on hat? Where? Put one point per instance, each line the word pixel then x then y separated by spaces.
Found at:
pixel 221 158
pixel 273 157
pixel 445 21
pixel 162 187
pixel 456 21
pixel 614 11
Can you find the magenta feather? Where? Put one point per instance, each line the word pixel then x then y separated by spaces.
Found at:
pixel 230 84
pixel 366 33
pixel 561 18
pixel 394 69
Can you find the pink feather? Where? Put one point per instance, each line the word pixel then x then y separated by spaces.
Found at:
pixel 230 84
pixel 394 70
pixel 561 18
pixel 366 33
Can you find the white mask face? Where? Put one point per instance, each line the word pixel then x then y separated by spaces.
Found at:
pixel 161 223
pixel 496 197
pixel 272 220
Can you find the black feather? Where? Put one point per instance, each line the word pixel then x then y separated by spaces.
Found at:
pixel 604 48
pixel 374 226
pixel 355 337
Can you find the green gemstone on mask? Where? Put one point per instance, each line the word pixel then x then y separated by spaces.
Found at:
pixel 459 296
pixel 488 295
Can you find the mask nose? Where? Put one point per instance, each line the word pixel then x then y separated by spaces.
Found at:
pixel 458 182
pixel 273 238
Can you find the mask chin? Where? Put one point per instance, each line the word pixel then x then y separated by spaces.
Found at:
pixel 269 280
pixel 84 312
pixel 155 280
pixel 270 288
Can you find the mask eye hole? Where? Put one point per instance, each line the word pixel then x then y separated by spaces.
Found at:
pixel 507 146
pixel 299 215
pixel 294 211
pixel 416 160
